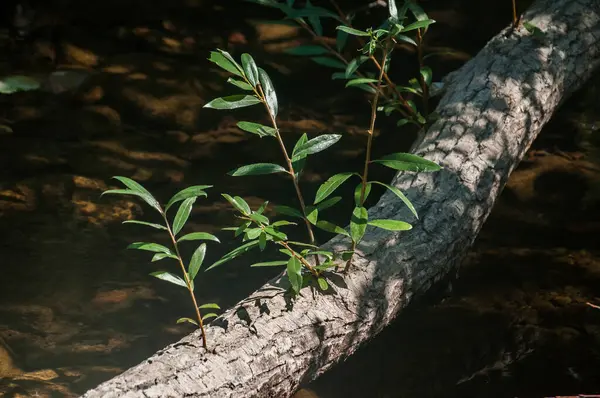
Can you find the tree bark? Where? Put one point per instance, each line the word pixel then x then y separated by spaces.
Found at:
pixel 494 107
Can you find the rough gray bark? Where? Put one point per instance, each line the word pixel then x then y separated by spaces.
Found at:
pixel 494 108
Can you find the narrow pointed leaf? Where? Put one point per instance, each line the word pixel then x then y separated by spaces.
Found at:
pixel 137 190
pixel 250 69
pixel 225 61
pixel 331 227
pixel 233 102
pixel 209 315
pixel 418 25
pixel 269 91
pixel 288 211
pixel 270 264
pixel 160 256
pixel 340 40
pixel 148 224
pixel 408 40
pixel 167 276
pixel 294 273
pixel 183 214
pixel 198 236
pixel 209 306
pixel 291 242
pixel 329 186
pixel 262 241
pixel 151 247
pixel 400 195
pixel 190 320
pixel 358 223
pixel 316 145
pixel 238 203
pixel 239 84
pixel 330 62
pixel 259 218
pixel 393 10
pixel 312 214
pixel 196 261
pixel 357 192
pixel 407 162
pixel 328 203
pixel 322 282
pixel 189 192
pixel 257 169
pixel 282 223
pixel 363 80
pixel 258 129
pixel 234 253
pixel 353 32
pixel 426 73
pixel 298 162
pixel 391 225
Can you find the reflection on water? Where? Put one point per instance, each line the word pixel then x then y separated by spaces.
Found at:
pixel 77 308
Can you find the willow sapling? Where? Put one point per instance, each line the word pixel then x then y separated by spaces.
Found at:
pixel 187 197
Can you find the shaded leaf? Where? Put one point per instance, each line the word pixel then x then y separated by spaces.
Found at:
pixel 418 25
pixel 330 62
pixel 307 50
pixel 400 195
pixel 391 225
pixel 331 227
pixel 298 162
pixel 340 40
pixel 208 316
pixel 362 80
pixel 357 192
pixel 294 273
pixel 226 61
pixel 233 102
pixel 198 236
pixel 358 223
pixel 167 276
pixel 257 169
pixel 183 214
pixel 257 128
pixel 288 211
pixel 269 91
pixel 250 69
pixel 352 31
pixel 328 203
pixel 407 162
pixel 329 186
pixel 262 241
pixel 426 73
pixel 239 203
pixel 148 224
pixel 234 253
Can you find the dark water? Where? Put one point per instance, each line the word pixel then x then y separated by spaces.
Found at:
pixel 76 308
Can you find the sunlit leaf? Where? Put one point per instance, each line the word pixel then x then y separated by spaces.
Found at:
pixel 233 102
pixel 257 169
pixel 302 244
pixel 294 273
pixel 331 227
pixel 353 32
pixel 183 214
pixel 391 225
pixel 278 235
pixel 322 282
pixel 250 69
pixel 269 92
pixel 226 61
pixel 418 25
pixel 253 233
pixel 329 186
pixel 235 253
pixel 270 264
pixel 257 128
pixel 259 218
pixel 330 62
pixel 325 266
pixel 148 224
pixel 167 276
pixel 198 236
pixel 312 214
pixel 426 73
pixel 407 162
pixel 357 192
pixel 210 315
pixel 196 261
pixel 139 191
pixel 316 144
pixel 238 203
pixel 362 80
pixel 347 255
pixel 358 223
pixel 209 306
pixel 190 320
pixel 400 195
pixel 298 162
pixel 262 207
pixel 151 247
pixel 190 192
pixel 160 256
pixel 282 223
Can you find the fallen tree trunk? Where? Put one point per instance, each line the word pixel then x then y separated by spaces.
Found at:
pixel 494 107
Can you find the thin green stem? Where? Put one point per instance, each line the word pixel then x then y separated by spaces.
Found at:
pixel 188 282
pixel 370 132
pixel 290 166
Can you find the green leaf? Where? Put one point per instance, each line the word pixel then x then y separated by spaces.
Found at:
pixel 270 264
pixel 259 218
pixel 253 233
pixel 325 266
pixel 282 223
pixel 307 50
pixel 234 253
pixel 362 80
pixel 316 145
pixel 341 40
pixel 208 316
pixel 312 214
pixel 240 84
pixel 226 61
pixel 167 276
pixel 353 65
pixel 209 306
pixel 148 224
pixel 269 91
pixel 288 211
pixel 190 320
pixel 358 223
pixel 328 203
pixel 391 225
pixel 417 11
pixel 196 261
pixel 250 69
pixel 258 129
pixel 407 162
pixel 183 214
pixel 347 255
pixel 400 195
pixel 311 11
pixel 366 87
pixel 190 192
pixel 407 39
pixel 291 242
pixel 294 273
pixel 151 247
pixel 242 228
pixel 140 191
pixel 298 162
pixel 160 256
pixel 342 76
pixel 239 203
pixel 330 62
pixel 393 10
pixel 322 282
pixel 426 73
pixel 418 25
pixel 353 32
pixel 315 22
pixel 331 227
pixel 233 102
pixel 357 192
pixel 262 241
pixel 323 253
pixel 262 207
pixel 329 186
pixel 257 169
pixel 198 236
pixel 280 236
